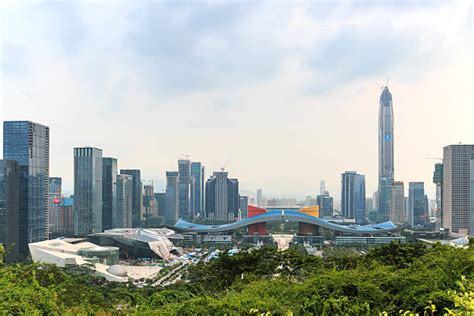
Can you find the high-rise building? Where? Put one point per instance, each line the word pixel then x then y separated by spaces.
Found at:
pixel 87 191
pixel 137 197
pixel 66 218
pixel 184 171
pixel 369 206
pixel 397 207
pixel 243 206
pixel 322 187
pixel 55 191
pixel 28 143
pixel 353 196
pixel 160 203
pixel 123 216
pixel 259 197
pixel 172 198
pixel 9 206
pixel 438 181
pixel 149 201
pixel 417 205
pixel 197 189
pixel 222 197
pixel 471 196
pixel 456 187
pixel 326 205
pixel 386 154
pixel 109 191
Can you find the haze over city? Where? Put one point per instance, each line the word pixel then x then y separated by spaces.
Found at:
pixel 288 92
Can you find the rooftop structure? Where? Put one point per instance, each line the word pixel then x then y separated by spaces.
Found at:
pixel 102 260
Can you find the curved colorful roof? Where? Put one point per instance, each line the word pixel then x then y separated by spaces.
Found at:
pixel 282 215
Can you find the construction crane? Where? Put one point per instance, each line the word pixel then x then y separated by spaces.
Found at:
pixel 434 158
pixel 225 164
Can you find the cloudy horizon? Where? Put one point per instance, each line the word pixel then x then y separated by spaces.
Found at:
pixel 286 93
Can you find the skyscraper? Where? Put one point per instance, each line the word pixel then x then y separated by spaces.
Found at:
pixel 184 172
pixel 197 188
pixel 322 187
pixel 160 203
pixel 109 191
pixel 28 143
pixel 259 197
pixel 417 205
pixel 137 197
pixel 353 196
pixel 386 154
pixel 123 215
pixel 55 191
pixel 243 206
pixel 172 198
pixel 9 206
pixel 397 207
pixel 149 201
pixel 326 205
pixel 456 187
pixel 87 191
pixel 222 197
pixel 438 181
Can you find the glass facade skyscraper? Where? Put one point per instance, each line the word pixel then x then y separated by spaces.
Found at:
pixel 184 172
pixel 9 221
pixel 172 198
pixel 417 205
pixel 137 200
pixel 197 188
pixel 109 191
pixel 222 197
pixel 353 196
pixel 28 143
pixel 87 191
pixel 55 191
pixel 386 155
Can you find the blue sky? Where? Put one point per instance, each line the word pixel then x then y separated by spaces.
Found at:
pixel 287 90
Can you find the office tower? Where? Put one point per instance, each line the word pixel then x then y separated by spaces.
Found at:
pixel 222 197
pixel 197 189
pixel 397 206
pixel 455 190
pixel 322 187
pixel 149 201
pixel 87 191
pixel 233 198
pixel 137 197
pixel 184 172
pixel 9 207
pixel 386 160
pixel 28 143
pixel 417 205
pixel 353 196
pixel 243 206
pixel 438 181
pixel 54 207
pixel 160 204
pixel 259 197
pixel 66 218
pixel 471 196
pixel 369 206
pixel 109 189
pixel 326 205
pixel 123 216
pixel 172 198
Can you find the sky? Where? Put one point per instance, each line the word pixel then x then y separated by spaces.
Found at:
pixel 284 94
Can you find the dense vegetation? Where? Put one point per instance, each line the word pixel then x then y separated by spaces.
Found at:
pixel 384 281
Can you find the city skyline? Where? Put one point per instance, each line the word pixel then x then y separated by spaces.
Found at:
pixel 299 125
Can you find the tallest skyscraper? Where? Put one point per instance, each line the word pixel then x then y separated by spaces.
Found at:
pixel 386 160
